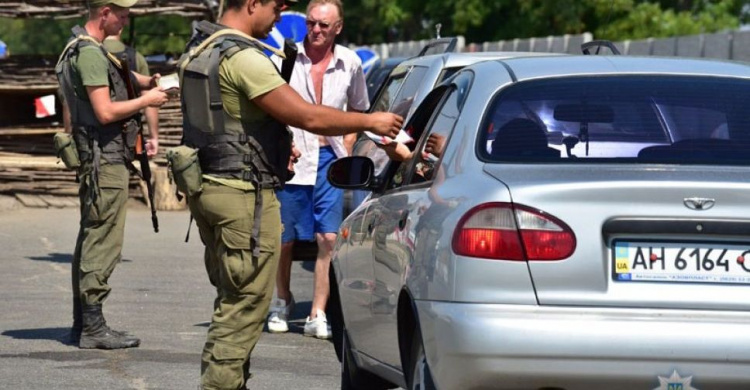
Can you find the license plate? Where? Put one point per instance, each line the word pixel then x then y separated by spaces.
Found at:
pixel 681 262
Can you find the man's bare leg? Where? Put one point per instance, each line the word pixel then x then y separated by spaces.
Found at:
pixel 284 274
pixel 321 288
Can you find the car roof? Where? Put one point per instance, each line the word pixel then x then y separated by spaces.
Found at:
pixel 392 61
pixel 529 68
pixel 452 60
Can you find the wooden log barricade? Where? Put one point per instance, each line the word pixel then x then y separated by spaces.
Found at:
pixel 29 169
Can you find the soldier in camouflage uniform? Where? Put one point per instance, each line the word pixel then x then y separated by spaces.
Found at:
pixel 104 129
pixel 235 106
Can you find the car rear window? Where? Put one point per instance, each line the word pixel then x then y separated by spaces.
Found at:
pixel 637 119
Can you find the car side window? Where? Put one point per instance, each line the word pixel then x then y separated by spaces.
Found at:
pixel 386 97
pixel 433 142
pixel 432 124
pixel 411 85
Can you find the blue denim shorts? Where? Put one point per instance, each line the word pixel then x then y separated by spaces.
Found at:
pixel 306 210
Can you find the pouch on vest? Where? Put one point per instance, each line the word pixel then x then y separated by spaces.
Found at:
pixel 185 169
pixel 66 150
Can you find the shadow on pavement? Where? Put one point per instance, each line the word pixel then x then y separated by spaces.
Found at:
pixel 62 258
pixel 54 258
pixel 57 334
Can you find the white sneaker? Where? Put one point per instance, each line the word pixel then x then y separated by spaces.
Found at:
pixel 279 314
pixel 318 326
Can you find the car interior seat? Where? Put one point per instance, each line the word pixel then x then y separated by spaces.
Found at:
pixel 522 138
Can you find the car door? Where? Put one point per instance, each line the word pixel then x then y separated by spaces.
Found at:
pixel 398 93
pixel 397 212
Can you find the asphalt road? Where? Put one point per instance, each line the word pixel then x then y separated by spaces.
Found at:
pixel 160 293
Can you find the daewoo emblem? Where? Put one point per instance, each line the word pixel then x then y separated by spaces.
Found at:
pixel 699 203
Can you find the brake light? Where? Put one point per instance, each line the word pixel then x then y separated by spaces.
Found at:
pixel 512 232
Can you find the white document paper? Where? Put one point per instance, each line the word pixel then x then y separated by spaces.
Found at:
pixel 170 81
pixel 402 137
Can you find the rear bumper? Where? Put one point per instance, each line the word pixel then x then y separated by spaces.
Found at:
pixel 476 346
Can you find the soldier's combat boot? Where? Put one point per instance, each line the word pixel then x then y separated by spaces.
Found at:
pixel 77 328
pixel 96 333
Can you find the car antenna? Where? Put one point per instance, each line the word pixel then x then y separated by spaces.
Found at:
pixel 602 42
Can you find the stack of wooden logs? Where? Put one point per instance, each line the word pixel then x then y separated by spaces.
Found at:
pixel 76 8
pixel 29 169
pixel 28 73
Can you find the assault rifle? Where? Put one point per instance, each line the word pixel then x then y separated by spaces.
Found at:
pixel 140 142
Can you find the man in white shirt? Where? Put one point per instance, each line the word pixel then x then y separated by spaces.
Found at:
pixel 328 74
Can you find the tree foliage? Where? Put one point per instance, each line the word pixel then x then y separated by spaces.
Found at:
pixel 377 21
pixel 481 20
pixel 153 34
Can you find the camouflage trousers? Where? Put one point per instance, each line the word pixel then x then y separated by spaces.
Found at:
pixel 101 233
pixel 244 284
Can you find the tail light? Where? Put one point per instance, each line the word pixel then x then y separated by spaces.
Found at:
pixel 512 232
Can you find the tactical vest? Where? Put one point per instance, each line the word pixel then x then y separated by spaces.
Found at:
pixel 226 146
pixel 115 142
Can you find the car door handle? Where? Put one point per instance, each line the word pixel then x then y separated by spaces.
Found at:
pixel 402 221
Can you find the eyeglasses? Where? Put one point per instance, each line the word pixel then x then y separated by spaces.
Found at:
pixel 323 25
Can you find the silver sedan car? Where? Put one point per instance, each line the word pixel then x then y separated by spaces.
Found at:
pixel 575 222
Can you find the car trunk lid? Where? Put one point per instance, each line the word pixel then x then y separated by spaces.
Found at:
pixel 625 214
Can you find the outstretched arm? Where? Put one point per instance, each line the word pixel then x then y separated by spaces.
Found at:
pixel 285 104
pixel 108 111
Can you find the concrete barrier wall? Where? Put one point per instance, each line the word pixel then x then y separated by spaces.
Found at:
pixel 717 46
pixel 732 45
pixel 740 50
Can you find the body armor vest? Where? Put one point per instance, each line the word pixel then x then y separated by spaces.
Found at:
pixel 227 147
pixel 115 142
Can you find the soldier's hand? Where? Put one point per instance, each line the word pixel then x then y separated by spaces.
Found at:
pixel 152 147
pixel 293 158
pixel 386 123
pixel 155 97
pixel 154 80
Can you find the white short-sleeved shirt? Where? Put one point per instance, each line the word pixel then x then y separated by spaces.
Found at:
pixel 344 88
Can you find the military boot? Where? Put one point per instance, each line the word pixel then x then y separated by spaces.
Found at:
pixel 96 333
pixel 77 328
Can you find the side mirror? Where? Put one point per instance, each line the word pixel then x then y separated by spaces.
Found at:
pixel 355 172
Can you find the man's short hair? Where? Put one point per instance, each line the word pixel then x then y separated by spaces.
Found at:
pixel 336 3
pixel 92 4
